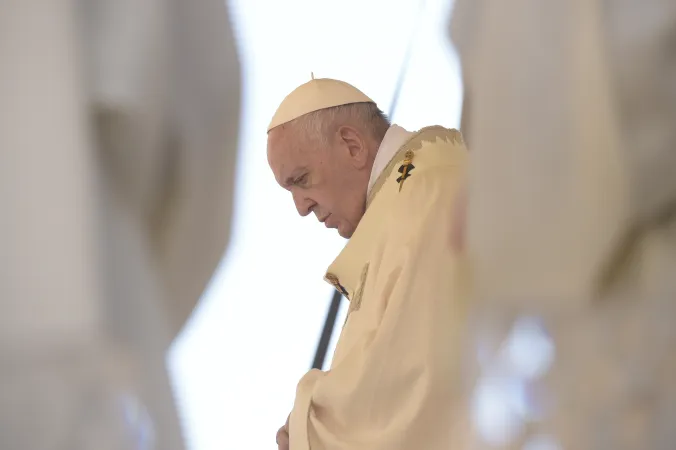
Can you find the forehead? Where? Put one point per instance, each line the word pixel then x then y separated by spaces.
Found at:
pixel 283 145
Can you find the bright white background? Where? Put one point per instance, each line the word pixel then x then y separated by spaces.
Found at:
pixel 254 335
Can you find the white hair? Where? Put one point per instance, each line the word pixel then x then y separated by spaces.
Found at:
pixel 366 116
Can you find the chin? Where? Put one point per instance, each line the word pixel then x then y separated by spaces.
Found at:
pixel 347 234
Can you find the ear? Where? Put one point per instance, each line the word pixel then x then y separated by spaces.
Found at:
pixel 355 144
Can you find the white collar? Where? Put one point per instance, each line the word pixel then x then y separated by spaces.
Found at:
pixel 394 138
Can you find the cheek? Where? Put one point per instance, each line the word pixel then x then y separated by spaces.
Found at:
pixel 350 204
pixel 340 194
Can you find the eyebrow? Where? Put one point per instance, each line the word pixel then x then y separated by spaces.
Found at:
pixel 291 179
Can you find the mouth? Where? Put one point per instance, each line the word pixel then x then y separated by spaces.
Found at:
pixel 325 221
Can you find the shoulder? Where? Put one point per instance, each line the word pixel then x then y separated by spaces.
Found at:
pixel 434 135
pixel 431 154
pixel 436 146
pixel 418 187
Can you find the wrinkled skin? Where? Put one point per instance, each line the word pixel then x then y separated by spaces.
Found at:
pixel 283 437
pixel 328 177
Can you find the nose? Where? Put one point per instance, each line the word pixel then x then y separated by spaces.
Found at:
pixel 303 204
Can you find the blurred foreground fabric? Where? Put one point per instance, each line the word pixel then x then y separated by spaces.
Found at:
pixel 118 139
pixel 570 112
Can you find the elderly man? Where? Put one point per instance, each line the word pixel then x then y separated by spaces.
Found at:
pixel 387 190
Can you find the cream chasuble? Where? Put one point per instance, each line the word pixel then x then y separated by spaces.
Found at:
pixel 390 386
pixel 393 140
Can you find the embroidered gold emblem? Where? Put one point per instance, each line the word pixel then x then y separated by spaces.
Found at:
pixel 415 143
pixel 355 303
pixel 331 278
pixel 405 168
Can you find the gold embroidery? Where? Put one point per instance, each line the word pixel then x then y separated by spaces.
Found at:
pixel 427 134
pixel 405 168
pixel 355 303
pixel 331 278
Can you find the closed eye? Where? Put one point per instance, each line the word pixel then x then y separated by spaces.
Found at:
pixel 302 180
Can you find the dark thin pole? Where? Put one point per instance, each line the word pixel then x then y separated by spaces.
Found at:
pixel 400 80
pixel 404 66
pixel 330 322
pixel 327 332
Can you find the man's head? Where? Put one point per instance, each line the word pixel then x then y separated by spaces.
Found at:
pixel 324 158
